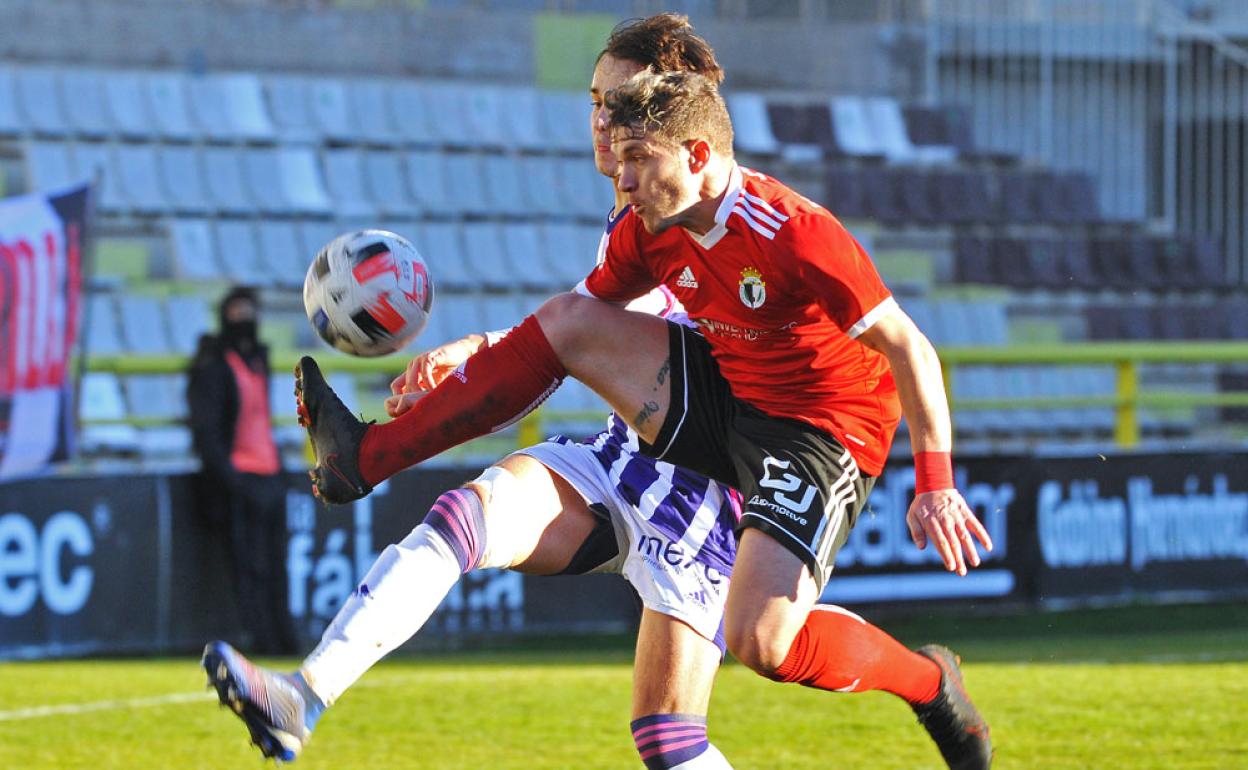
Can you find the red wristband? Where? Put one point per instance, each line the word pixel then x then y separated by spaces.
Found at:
pixel 932 471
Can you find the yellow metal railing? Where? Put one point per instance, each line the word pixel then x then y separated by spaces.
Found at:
pixel 1125 357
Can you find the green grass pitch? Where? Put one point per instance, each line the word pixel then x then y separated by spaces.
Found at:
pixel 1136 688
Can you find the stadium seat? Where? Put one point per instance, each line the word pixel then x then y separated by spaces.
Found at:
pixel 888 126
pixel 331 109
pixel 143 326
pixel 82 93
pixel 189 318
pixel 911 189
pixel 974 260
pixel 442 246
pixel 843 194
pixel 344 180
pixel 1143 263
pixel 962 196
pixel 448 115
pixel 49 166
pixel 523 244
pixel 182 179
pixel 565 254
pixel 246 110
pixel 929 132
pixel 91 160
pixel 156 396
pixel 289 102
pixel 581 188
pixel 194 250
pixel 239 252
pixel 101 327
pixel 209 108
pixel 1016 199
pixel 465 176
pixel 503 186
pixel 300 178
pixel 522 119
pixel 566 117
pixel 169 106
pixel 385 183
pixel 139 178
pixel 878 195
pixel 1076 197
pixel 428 179
pixel 313 235
pixel 484 249
pixel 804 130
pixel 11 121
pixel 853 128
pixel 750 124
pixel 500 311
pixel 541 187
pixel 484 107
pixel 223 174
pixel 1077 267
pixel 282 254
pixel 262 173
pixel 127 109
pixel 100 398
pixel 462 315
pixel 412 113
pixel 39 103
pixel 1206 262
pixel 369 100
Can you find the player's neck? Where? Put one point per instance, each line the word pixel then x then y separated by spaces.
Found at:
pixel 700 217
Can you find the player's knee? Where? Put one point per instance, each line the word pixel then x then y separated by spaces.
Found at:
pixel 760 653
pixel 567 320
pixel 458 515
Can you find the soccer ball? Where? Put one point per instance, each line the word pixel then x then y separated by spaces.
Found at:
pixel 368 293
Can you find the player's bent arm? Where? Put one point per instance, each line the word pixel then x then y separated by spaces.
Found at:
pixel 920 384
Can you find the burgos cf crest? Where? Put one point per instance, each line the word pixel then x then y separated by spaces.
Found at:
pixel 752 289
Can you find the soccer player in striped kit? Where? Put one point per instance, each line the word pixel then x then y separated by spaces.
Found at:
pixel 559 507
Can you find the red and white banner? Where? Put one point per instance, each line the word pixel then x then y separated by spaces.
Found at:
pixel 41 237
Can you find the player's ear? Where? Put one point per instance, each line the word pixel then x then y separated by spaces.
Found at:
pixel 699 155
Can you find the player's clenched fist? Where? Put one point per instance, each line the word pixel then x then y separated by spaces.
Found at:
pixel 426 370
pixel 943 518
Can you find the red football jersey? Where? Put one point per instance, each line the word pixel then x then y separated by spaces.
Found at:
pixel 781 290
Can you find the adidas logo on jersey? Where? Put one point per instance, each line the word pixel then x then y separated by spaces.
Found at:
pixel 686 279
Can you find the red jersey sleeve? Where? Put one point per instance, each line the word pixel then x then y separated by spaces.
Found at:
pixel 840 274
pixel 623 274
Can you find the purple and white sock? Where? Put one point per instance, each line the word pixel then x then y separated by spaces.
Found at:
pixel 459 517
pixel 665 741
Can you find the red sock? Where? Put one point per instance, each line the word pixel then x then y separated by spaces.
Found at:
pixel 837 650
pixel 490 391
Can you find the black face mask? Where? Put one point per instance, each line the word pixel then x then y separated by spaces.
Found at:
pixel 240 335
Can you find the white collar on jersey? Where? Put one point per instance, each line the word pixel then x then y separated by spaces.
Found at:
pixel 712 236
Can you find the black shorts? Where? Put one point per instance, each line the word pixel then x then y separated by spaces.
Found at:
pixel 800 485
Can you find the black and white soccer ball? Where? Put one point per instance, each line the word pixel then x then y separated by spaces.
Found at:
pixel 368 293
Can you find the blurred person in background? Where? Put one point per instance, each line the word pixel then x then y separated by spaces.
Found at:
pixel 243 489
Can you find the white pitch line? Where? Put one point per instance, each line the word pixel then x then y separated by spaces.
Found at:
pixel 37 712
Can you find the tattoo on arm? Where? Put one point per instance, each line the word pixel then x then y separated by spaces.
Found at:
pixel 647 409
pixel 664 370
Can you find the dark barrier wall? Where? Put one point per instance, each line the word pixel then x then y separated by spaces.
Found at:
pixel 124 564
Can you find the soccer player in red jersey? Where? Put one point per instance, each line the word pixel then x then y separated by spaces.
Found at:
pixel 791 393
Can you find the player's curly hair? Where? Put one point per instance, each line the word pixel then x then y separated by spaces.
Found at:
pixel 673 106
pixel 664 42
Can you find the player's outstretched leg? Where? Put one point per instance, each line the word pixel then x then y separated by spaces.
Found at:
pixel 335 433
pixel 952 719
pixel 279 710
